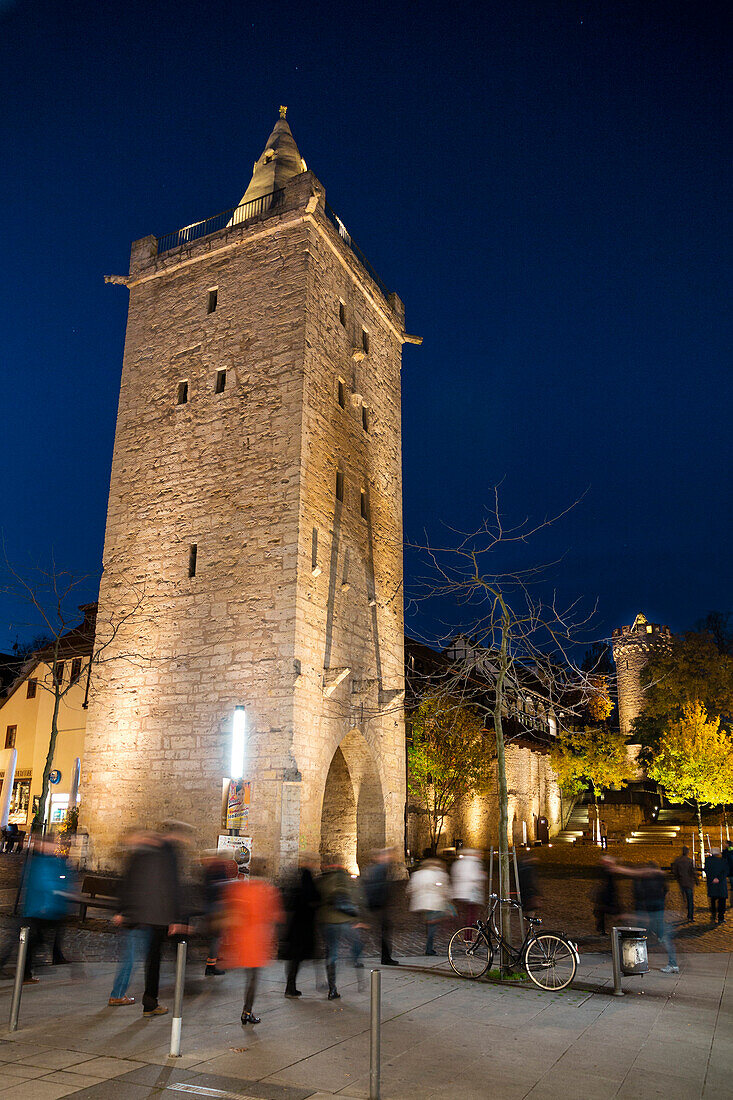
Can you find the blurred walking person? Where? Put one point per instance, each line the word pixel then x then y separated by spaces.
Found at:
pixel 218 869
pixel 468 882
pixel 379 888
pixel 716 880
pixel 685 874
pixel 341 917
pixel 301 900
pixel 650 895
pixel 605 898
pixel 153 898
pixel 251 912
pixel 43 905
pixel 132 938
pixel 429 895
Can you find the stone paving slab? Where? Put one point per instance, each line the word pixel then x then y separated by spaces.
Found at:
pixel 671 1036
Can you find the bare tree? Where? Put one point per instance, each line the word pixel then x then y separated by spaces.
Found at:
pixel 51 595
pixel 514 638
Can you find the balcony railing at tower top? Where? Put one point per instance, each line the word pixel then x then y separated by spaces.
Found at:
pixel 239 215
pixel 236 215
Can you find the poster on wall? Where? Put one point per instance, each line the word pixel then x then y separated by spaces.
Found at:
pixel 238 848
pixel 238 804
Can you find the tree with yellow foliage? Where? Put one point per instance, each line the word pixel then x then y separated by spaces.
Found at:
pixel 694 760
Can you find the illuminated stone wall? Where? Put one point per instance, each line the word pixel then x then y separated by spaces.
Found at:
pixel 533 792
pixel 247 475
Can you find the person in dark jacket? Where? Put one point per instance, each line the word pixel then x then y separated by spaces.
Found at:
pixel 728 857
pixel 605 900
pixel 683 870
pixel 218 869
pixel 340 915
pixel 301 900
pixel 650 891
pixel 716 880
pixel 152 897
pixel 379 886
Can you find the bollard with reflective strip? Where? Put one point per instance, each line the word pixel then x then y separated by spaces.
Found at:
pixel 375 1037
pixel 18 983
pixel 178 1000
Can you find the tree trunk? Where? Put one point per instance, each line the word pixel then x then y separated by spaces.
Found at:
pixel 699 833
pixel 38 820
pixel 501 767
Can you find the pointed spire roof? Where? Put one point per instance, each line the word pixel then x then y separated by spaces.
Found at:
pixel 279 163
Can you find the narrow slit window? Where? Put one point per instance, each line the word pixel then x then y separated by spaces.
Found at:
pixel 341 394
pixel 345 576
pixel 221 381
pixel 364 418
pixel 342 313
pixel 363 504
pixel 212 299
pixel 315 567
pixel 192 555
pixel 182 393
pixel 365 340
pixel 340 485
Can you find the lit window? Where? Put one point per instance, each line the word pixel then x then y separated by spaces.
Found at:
pixel 192 555
pixel 182 393
pixel 221 381
pixel 212 299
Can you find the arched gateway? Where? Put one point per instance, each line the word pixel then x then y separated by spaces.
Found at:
pixel 353 814
pixel 256 499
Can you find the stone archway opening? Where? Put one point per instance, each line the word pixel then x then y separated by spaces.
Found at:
pixel 352 816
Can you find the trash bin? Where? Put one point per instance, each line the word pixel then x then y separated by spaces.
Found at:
pixel 629 954
pixel 633 944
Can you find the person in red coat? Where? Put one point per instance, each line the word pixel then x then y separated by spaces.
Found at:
pixel 251 913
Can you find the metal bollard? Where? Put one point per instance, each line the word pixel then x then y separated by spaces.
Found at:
pixel 18 983
pixel 178 1000
pixel 616 962
pixel 375 1038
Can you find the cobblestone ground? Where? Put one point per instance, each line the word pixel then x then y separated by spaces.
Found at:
pixel 567 876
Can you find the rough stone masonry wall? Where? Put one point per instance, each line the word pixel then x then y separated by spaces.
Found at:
pixel 223 472
pixel 350 614
pixel 631 651
pixel 533 792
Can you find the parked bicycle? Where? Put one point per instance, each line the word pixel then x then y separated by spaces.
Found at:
pixel 549 958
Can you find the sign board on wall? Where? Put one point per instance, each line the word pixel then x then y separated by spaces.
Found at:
pixel 238 804
pixel 238 848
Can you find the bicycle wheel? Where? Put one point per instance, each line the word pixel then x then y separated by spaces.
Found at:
pixel 550 961
pixel 469 953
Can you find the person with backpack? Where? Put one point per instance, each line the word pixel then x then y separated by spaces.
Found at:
pixel 341 917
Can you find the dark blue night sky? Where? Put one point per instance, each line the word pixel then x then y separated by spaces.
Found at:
pixel 544 183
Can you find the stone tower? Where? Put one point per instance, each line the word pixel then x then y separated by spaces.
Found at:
pixel 631 648
pixel 253 549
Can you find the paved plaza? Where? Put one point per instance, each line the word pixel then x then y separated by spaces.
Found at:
pixel 670 1036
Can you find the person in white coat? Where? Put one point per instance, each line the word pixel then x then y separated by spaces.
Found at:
pixel 429 894
pixel 468 881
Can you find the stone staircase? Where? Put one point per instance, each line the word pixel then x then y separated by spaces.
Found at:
pixel 575 826
pixel 656 834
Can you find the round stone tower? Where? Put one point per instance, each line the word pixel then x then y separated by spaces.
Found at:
pixel 632 646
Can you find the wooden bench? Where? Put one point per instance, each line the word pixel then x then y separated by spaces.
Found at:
pixel 97 892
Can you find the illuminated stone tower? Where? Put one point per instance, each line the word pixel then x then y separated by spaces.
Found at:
pixel 255 511
pixel 631 648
